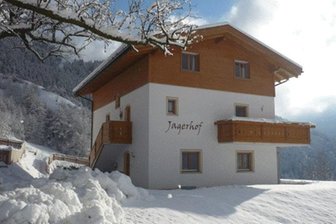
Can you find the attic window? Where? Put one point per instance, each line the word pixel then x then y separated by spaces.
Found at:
pixel 242 69
pixel 190 62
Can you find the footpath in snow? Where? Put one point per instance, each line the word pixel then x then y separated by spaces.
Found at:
pixel 28 194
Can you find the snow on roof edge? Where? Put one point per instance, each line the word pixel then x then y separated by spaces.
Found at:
pixel 5 148
pixel 101 67
pixel 267 120
pixel 212 25
pixel 11 138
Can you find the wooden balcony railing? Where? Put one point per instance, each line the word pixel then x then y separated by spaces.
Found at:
pixel 264 132
pixel 68 158
pixel 111 132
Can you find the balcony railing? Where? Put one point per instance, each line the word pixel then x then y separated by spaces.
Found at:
pixel 111 132
pixel 263 132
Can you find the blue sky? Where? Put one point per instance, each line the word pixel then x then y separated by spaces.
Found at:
pixel 212 10
pixel 299 29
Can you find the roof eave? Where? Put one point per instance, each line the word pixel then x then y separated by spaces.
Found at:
pixel 115 55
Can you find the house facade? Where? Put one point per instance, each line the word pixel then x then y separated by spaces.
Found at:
pixel 202 117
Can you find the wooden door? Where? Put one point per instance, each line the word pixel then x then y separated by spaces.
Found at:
pixel 128 113
pixel 127 163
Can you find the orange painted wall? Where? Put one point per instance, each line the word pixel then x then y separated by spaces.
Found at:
pixel 129 80
pixel 216 71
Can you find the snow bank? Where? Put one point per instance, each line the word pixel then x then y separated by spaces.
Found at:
pixel 69 196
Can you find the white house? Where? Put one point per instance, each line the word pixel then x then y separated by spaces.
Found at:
pixel 202 117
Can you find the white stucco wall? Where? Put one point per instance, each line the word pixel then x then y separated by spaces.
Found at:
pixel 218 160
pixel 156 151
pixel 138 101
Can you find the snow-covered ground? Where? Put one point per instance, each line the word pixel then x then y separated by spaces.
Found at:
pixel 286 203
pixel 32 165
pixel 28 194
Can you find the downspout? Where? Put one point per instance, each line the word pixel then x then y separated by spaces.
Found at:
pixel 91 102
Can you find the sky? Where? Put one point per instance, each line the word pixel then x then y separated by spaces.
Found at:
pixel 302 30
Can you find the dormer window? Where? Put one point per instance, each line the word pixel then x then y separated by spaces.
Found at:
pixel 190 62
pixel 242 69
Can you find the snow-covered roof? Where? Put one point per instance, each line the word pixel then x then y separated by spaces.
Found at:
pixel 124 47
pixel 5 148
pixel 11 139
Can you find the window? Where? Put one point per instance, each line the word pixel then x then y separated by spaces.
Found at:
pixel 117 101
pixel 241 111
pixel 242 69
pixel 190 62
pixel 244 161
pixel 172 106
pixel 191 161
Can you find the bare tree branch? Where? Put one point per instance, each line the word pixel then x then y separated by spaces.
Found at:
pixel 66 23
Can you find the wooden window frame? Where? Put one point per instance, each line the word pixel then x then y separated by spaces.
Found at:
pixel 241 105
pixel 176 107
pixel 200 159
pixel 241 75
pixel 251 161
pixel 190 67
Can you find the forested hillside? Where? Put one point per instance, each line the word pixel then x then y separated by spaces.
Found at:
pixel 317 161
pixel 58 75
pixel 36 101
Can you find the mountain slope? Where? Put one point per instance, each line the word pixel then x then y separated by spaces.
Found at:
pixel 58 75
pixel 36 100
pixel 317 161
pixel 32 113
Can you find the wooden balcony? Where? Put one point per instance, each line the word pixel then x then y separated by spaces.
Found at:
pixel 263 132
pixel 111 132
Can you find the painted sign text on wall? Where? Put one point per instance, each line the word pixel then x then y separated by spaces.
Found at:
pixel 187 126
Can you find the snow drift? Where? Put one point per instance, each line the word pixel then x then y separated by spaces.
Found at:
pixel 69 196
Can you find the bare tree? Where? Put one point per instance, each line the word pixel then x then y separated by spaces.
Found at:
pixel 67 26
